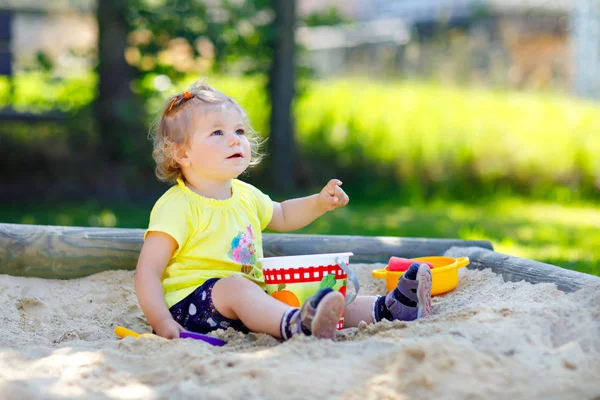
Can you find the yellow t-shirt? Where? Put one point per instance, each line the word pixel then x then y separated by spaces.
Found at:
pixel 216 238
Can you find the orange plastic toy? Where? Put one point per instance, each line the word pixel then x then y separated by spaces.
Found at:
pixel 444 274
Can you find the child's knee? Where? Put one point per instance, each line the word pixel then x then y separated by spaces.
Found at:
pixel 235 283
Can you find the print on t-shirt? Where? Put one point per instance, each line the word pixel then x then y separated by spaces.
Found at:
pixel 243 252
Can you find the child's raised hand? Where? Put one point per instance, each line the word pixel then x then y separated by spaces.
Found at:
pixel 333 196
pixel 168 328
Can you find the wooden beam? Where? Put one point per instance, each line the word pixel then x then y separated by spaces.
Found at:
pixel 366 249
pixel 71 252
pixel 515 269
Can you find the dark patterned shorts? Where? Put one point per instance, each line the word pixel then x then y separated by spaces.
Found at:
pixel 196 313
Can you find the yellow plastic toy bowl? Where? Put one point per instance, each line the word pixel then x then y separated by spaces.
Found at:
pixel 444 274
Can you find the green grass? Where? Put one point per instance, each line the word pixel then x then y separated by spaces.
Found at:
pixel 456 140
pixel 40 92
pixel 564 236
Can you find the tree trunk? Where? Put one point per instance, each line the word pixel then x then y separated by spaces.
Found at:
pixel 281 87
pixel 117 111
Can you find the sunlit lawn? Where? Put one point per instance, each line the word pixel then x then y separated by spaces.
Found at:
pixel 564 236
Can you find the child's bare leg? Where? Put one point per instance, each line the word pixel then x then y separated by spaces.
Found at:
pixel 361 309
pixel 409 301
pixel 235 297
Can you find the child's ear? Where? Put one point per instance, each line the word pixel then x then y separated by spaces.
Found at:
pixel 180 155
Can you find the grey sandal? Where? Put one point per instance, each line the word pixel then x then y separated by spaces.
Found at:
pixel 412 297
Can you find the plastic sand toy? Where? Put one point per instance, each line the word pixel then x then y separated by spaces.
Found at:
pixel 123 332
pixel 444 272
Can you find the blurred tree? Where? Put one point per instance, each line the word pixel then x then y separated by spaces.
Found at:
pixel 281 88
pixel 170 39
pixel 118 113
pixel 179 37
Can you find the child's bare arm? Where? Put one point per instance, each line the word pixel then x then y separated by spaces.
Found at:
pixel 154 257
pixel 297 213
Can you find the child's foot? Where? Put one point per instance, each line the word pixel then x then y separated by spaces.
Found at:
pixel 321 313
pixel 412 297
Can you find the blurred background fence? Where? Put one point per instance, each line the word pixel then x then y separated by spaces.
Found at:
pixel 533 44
pixel 464 118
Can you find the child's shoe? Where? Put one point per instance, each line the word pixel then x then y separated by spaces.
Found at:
pixel 321 313
pixel 411 299
pixel 318 316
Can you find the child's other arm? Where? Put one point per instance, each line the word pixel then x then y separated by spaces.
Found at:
pixel 154 257
pixel 297 213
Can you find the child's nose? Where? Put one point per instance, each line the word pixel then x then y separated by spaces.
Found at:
pixel 234 140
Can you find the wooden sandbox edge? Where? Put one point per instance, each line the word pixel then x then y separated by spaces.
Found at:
pixel 59 252
pixel 515 269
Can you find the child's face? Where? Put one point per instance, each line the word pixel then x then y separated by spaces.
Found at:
pixel 218 148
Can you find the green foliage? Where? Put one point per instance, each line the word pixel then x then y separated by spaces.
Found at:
pixel 172 39
pixel 181 36
pixel 44 61
pixel 37 148
pixel 328 17
pixel 411 140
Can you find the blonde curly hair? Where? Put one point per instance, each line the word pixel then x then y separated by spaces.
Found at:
pixel 171 128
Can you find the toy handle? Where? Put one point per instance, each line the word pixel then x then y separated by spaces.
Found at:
pixel 379 273
pixel 462 262
pixel 351 276
pixel 198 336
pixel 123 332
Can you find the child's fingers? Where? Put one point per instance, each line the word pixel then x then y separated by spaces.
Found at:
pixel 341 197
pixel 332 185
pixel 344 200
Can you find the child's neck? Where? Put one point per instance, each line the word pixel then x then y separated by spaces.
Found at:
pixel 219 190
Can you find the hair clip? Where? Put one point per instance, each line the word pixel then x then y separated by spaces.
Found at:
pixel 172 104
pixel 178 100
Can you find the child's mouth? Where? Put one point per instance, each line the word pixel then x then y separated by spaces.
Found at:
pixel 236 155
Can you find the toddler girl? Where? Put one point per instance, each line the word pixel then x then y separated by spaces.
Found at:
pixel 198 269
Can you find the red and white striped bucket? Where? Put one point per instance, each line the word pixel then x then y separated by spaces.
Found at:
pixel 293 279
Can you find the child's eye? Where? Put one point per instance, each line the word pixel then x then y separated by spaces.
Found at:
pixel 240 132
pixel 217 133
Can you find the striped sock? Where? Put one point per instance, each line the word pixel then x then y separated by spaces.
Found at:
pixel 290 323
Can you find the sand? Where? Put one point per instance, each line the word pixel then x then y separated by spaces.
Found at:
pixel 486 340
